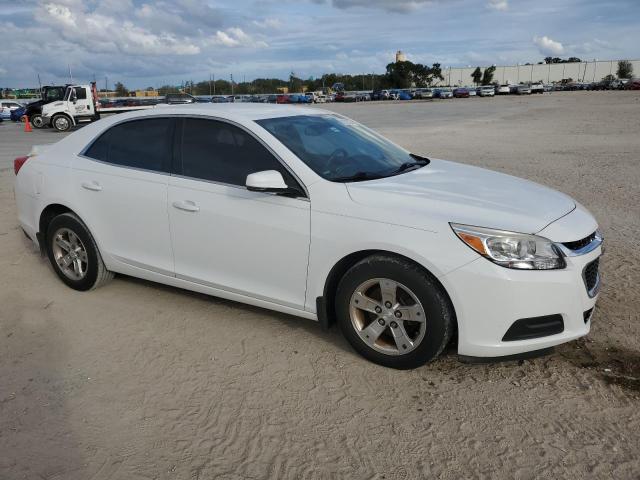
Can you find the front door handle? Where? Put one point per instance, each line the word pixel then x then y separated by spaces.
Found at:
pixel 187 206
pixel 93 186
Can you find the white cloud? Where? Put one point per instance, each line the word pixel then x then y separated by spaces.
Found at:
pixel 236 37
pixel 397 6
pixel 268 23
pixel 110 33
pixel 500 5
pixel 547 46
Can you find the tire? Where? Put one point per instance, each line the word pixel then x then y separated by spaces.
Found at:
pixel 91 272
pixel 36 121
pixel 61 123
pixel 426 314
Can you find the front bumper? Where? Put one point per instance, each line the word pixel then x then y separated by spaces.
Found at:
pixel 489 298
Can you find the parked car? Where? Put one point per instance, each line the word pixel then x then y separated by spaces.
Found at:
pixel 363 96
pixel 486 91
pixel 282 98
pixel 524 90
pixel 633 84
pixel 460 92
pixel 219 99
pixel 537 88
pixel 442 93
pixel 175 99
pixel 503 90
pixel 401 95
pixel 423 93
pixel 299 98
pixel 6 107
pixel 17 114
pixel 472 92
pixel 508 265
pixel 317 97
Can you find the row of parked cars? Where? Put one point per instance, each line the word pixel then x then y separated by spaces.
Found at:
pixel 12 110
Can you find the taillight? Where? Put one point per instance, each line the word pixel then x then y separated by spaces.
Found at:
pixel 18 163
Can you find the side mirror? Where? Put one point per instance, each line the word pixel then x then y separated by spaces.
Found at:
pixel 266 181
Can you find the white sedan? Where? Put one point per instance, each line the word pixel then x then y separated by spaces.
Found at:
pixel 306 212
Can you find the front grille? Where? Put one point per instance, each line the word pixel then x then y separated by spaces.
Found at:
pixel 578 244
pixel 591 277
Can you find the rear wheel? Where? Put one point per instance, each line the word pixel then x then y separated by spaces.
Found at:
pixel 393 312
pixel 74 255
pixel 36 121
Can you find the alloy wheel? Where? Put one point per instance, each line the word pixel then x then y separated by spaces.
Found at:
pixel 387 316
pixel 70 254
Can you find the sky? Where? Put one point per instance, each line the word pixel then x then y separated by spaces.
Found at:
pixel 146 43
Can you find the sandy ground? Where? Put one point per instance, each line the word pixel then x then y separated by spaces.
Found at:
pixel 140 381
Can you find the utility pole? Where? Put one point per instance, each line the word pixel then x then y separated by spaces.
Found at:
pixel 209 84
pixel 106 84
pixel 232 84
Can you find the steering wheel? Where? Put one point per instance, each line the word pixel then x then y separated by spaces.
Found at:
pixel 338 155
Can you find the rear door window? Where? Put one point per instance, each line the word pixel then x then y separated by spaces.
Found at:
pixel 144 144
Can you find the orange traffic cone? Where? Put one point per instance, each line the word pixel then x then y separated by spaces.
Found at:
pixel 27 124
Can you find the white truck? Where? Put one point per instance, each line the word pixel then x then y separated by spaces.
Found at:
pixel 80 105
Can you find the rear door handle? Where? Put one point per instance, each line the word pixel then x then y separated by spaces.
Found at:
pixel 187 206
pixel 93 186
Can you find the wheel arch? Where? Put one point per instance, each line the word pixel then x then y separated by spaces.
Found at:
pixel 325 305
pixel 50 212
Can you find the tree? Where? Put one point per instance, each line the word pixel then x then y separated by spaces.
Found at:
pixel 477 75
pixel 608 78
pixel 121 90
pixel 625 69
pixel 295 83
pixel 487 78
pixel 560 60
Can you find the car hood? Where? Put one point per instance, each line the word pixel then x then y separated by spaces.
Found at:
pixel 444 191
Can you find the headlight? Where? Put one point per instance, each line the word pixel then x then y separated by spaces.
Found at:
pixel 511 250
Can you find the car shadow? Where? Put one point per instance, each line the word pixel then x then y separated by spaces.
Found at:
pixel 311 327
pixel 614 365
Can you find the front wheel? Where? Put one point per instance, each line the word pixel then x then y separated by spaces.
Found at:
pixel 61 123
pixel 393 312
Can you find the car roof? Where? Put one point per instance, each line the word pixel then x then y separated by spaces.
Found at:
pixel 240 112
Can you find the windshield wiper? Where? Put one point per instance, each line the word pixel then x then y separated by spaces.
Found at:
pixel 420 162
pixel 358 177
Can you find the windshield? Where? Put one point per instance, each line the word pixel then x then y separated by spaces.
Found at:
pixel 339 149
pixel 53 94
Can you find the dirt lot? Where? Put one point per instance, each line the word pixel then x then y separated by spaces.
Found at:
pixel 140 381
